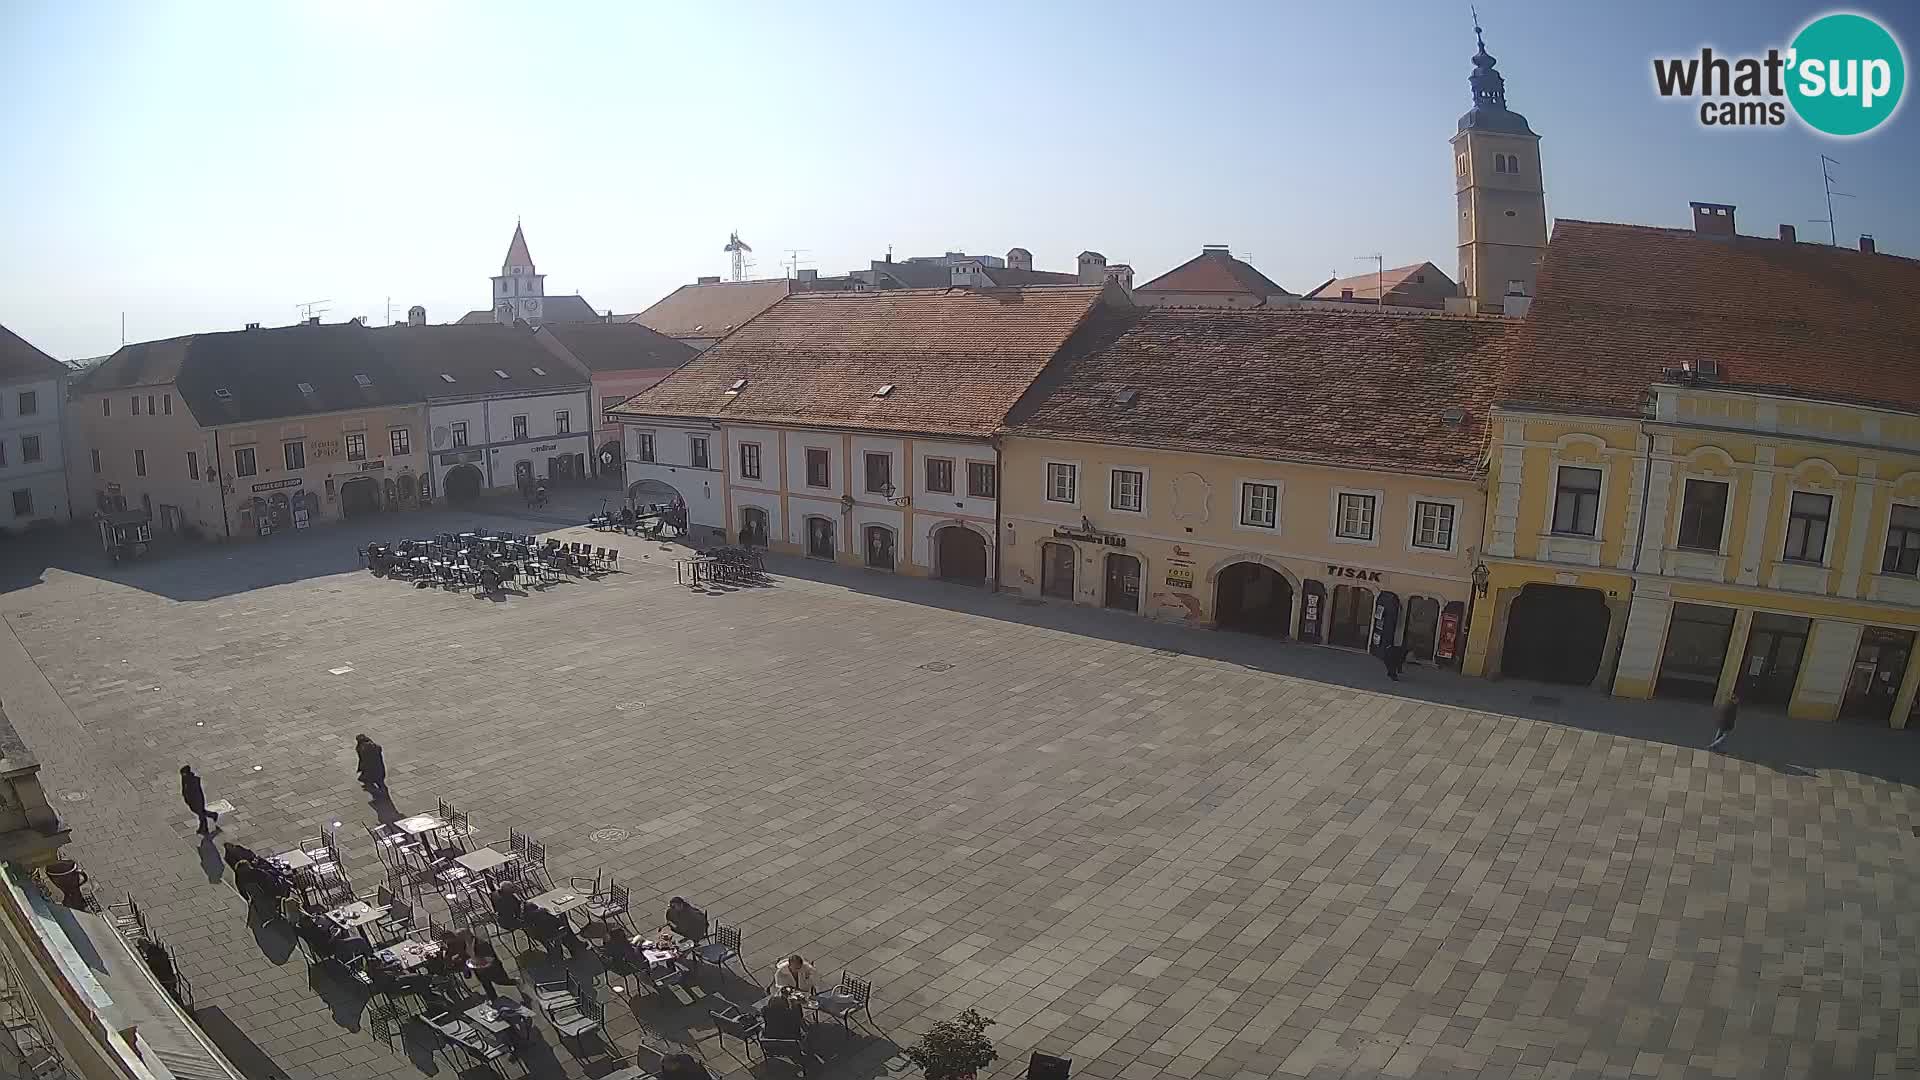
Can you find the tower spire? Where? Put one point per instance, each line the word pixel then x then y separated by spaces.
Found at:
pixel 1489 88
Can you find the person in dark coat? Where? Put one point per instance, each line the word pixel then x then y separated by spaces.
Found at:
pixel 1395 657
pixel 373 764
pixel 196 798
pixel 1724 714
pixel 685 919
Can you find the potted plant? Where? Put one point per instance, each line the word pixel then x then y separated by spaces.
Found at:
pixel 954 1049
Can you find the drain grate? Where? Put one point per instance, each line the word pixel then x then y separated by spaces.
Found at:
pixel 81 796
pixel 936 665
pixel 608 836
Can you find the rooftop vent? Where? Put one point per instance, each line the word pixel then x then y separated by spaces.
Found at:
pixel 223 394
pixel 738 385
pixel 884 390
pixel 1127 396
pixel 444 377
pixel 306 387
pixel 502 374
pixel 363 380
pixel 542 372
pixel 1454 417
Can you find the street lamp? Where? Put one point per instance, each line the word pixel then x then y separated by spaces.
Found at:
pixel 1480 576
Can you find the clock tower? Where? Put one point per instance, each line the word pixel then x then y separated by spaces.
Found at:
pixel 1499 197
pixel 518 292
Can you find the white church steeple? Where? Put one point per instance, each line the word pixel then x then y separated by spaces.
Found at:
pixel 518 292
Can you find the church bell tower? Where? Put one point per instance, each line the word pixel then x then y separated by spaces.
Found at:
pixel 1498 194
pixel 518 292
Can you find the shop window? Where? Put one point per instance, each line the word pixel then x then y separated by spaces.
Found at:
pixel 1062 482
pixel 940 475
pixel 1903 542
pixel 1703 514
pixel 1433 525
pixel 1807 519
pixel 1260 505
pixel 1696 649
pixel 1128 490
pixel 1576 502
pixel 243 461
pixel 982 481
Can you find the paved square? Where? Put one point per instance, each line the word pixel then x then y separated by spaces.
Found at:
pixel 1242 860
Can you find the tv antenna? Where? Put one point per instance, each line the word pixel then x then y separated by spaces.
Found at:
pixel 311 308
pixel 738 250
pixel 1379 262
pixel 1826 175
pixel 793 260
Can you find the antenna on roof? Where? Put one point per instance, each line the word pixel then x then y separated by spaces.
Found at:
pixel 1379 276
pixel 791 264
pixel 310 309
pixel 1833 233
pixel 738 249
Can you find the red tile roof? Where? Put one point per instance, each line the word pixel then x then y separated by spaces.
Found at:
pixel 1214 270
pixel 712 310
pixel 957 360
pixel 1617 304
pixel 19 360
pixel 1369 286
pixel 1360 388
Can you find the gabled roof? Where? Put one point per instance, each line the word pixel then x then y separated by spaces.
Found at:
pixel 19 360
pixel 1617 304
pixel 474 355
pixel 712 310
pixel 1360 388
pixel 517 253
pixel 1008 276
pixel 604 346
pixel 1369 286
pixel 956 360
pixel 260 372
pixel 1214 270
pixel 564 308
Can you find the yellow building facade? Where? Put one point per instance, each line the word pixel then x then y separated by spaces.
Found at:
pixel 1280 548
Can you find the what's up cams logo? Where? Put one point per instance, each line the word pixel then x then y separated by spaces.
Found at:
pixel 1843 75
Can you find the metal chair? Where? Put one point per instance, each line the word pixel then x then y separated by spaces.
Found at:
pixel 1047 1067
pixel 533 867
pixel 517 842
pixel 723 950
pixel 385 1021
pixel 730 1019
pixel 576 1020
pixel 860 990
pixel 611 905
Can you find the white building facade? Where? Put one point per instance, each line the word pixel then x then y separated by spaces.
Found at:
pixel 33 459
pixel 499 441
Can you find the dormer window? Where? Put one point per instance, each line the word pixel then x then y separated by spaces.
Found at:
pixel 884 390
pixel 306 388
pixel 542 372
pixel 363 381
pixel 738 385
pixel 223 394
pixel 444 377
pixel 502 374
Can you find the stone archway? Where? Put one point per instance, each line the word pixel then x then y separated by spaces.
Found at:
pixel 960 555
pixel 463 484
pixel 1253 597
pixel 360 497
pixel 649 492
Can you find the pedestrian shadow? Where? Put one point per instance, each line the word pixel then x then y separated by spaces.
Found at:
pixel 383 809
pixel 210 861
pixel 246 1055
pixel 346 997
pixel 421 1044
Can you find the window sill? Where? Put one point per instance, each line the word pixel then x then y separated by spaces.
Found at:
pixel 1557 534
pixel 1692 550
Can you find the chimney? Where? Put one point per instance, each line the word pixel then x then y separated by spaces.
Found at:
pixel 711 280
pixel 1515 307
pixel 1019 259
pixel 313 320
pixel 1866 243
pixel 807 275
pixel 1787 234
pixel 1713 219
pixel 253 326
pixel 416 316
pixel 1093 268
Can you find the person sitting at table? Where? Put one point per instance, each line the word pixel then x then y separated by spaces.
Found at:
pixel 453 955
pixel 783 1021
pixel 683 1067
pixel 550 929
pixel 509 910
pixel 321 936
pixel 232 853
pixel 796 974
pixel 686 920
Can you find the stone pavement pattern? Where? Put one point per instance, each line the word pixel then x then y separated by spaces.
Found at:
pixel 1158 864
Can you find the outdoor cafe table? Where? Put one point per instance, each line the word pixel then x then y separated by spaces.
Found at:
pixel 420 823
pixel 292 860
pixel 497 1016
pixel 357 915
pixel 560 901
pixel 409 954
pixel 483 860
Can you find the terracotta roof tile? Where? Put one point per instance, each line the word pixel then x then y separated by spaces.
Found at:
pixel 713 310
pixel 1368 286
pixel 20 360
pixel 1361 388
pixel 957 360
pixel 1617 304
pixel 1214 270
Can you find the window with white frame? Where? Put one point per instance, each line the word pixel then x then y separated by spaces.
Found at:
pixel 940 475
pixel 750 461
pixel 982 480
pixel 697 451
pixel 1128 490
pixel 1903 542
pixel 295 454
pixel 1703 514
pixel 562 422
pixel 819 467
pixel 1354 518
pixel 1433 525
pixel 1063 482
pixel 643 446
pixel 357 446
pixel 459 433
pixel 1260 505
pixel 399 441
pixel 1576 501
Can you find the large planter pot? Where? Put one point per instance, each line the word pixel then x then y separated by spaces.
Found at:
pixel 66 875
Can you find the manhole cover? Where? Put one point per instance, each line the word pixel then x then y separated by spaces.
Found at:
pixel 936 665
pixel 608 836
pixel 81 796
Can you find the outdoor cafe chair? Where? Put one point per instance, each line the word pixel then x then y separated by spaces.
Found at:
pixel 578 1019
pixel 724 948
pixel 741 1023
pixel 854 995
pixel 516 841
pixel 611 905
pixel 535 862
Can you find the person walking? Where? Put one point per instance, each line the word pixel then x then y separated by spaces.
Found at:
pixel 1395 658
pixel 1724 714
pixel 373 764
pixel 196 798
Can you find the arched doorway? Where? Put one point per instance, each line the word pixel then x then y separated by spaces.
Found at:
pixel 406 487
pixel 753 526
pixel 463 484
pixel 1423 628
pixel 1252 597
pixel 654 492
pixel 820 537
pixel 359 496
pixel 960 555
pixel 1056 570
pixel 1350 618
pixel 612 463
pixel 1123 582
pixel 1555 633
pixel 879 547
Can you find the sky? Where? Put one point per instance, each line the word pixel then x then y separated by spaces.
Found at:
pixel 197 166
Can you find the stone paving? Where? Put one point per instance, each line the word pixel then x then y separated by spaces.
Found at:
pixel 1157 851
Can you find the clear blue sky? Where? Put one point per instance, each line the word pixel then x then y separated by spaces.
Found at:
pixel 202 165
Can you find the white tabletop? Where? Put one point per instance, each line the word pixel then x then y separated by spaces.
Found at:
pixel 559 901
pixel 420 823
pixel 357 914
pixel 484 859
pixel 294 860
